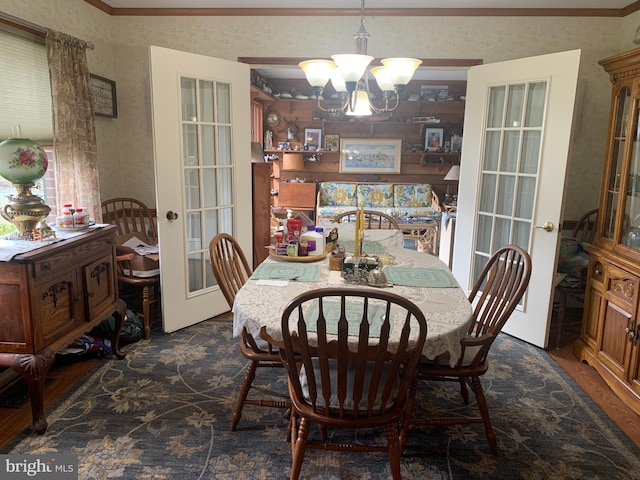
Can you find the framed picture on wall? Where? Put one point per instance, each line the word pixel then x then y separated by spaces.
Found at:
pixel 313 137
pixel 103 94
pixel 370 155
pixel 433 139
pixel 332 142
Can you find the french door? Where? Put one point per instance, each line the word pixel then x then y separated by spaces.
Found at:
pixel 517 134
pixel 201 131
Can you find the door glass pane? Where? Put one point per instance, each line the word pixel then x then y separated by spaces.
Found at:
pixel 521 232
pixel 208 172
pixel 226 220
pixel 209 278
pixel 530 151
pixel 224 186
pixel 536 99
pixel 515 105
pixel 615 183
pixel 510 151
pixel 223 91
pixel 209 180
pixel 206 101
pixel 488 192
pixel 189 145
pixel 492 150
pixel 224 146
pixel 631 231
pixel 210 224
pixel 502 233
pixel 506 190
pixel 496 106
pixel 196 268
pixel 194 236
pixel 525 197
pixel 208 145
pixel 192 188
pixel 485 224
pixel 188 99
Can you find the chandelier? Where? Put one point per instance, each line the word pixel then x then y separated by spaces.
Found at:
pixel 349 77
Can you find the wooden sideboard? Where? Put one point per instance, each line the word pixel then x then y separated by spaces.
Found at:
pixel 51 296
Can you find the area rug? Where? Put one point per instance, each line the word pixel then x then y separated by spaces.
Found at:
pixel 163 413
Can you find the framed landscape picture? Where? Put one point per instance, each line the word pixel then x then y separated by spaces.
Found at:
pixel 370 155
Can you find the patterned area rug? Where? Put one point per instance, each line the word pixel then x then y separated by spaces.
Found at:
pixel 163 413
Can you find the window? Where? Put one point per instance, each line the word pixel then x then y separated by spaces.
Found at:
pixel 25 100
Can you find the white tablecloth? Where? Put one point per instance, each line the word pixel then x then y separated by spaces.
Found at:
pixel 11 248
pixel 447 310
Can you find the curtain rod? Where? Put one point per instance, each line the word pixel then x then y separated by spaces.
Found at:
pixel 36 29
pixel 23 24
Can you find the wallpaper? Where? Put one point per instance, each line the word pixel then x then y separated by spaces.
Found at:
pixel 125 144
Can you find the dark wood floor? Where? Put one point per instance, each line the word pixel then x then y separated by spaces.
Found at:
pixel 14 420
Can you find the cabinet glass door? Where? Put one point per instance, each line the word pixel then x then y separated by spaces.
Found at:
pixel 615 180
pixel 631 224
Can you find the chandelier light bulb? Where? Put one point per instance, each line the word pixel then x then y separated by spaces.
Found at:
pixel 317 72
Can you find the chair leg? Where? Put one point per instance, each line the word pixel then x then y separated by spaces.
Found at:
pixel 299 447
pixel 463 390
pixel 394 450
pixel 249 376
pixel 484 411
pixel 562 312
pixel 146 312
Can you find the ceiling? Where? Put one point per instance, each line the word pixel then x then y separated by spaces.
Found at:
pixel 338 4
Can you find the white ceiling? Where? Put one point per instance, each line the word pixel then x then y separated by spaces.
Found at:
pixel 297 4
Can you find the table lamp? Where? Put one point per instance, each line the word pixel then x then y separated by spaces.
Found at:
pixel 23 162
pixel 452 175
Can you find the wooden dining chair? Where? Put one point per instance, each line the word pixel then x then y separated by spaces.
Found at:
pixel 347 371
pixel 576 267
pixel 140 292
pixel 497 291
pixel 372 220
pixel 231 270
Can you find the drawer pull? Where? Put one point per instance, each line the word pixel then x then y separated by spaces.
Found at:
pixel 46 266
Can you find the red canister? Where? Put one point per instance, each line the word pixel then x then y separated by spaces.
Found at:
pixel 294 228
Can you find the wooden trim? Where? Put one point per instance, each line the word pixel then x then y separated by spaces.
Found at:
pixel 426 62
pixel 100 5
pixel 631 8
pixel 379 12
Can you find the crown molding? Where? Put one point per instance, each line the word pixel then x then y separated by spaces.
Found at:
pixel 377 12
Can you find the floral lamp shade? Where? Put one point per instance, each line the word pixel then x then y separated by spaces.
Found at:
pixel 22 160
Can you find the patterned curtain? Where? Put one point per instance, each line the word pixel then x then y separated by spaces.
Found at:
pixel 74 136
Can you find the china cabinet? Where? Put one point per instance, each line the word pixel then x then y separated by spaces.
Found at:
pixel 611 327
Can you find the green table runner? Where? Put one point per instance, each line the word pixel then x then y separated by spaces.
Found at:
pixel 354 314
pixel 368 246
pixel 420 277
pixel 301 272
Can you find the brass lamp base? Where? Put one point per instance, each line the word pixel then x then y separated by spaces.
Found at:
pixel 26 212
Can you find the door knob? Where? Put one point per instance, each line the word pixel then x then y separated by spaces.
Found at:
pixel 547 226
pixel 172 215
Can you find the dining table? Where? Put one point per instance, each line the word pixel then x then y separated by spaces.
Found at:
pixel 422 278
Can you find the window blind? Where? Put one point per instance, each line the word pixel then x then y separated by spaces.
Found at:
pixel 25 91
